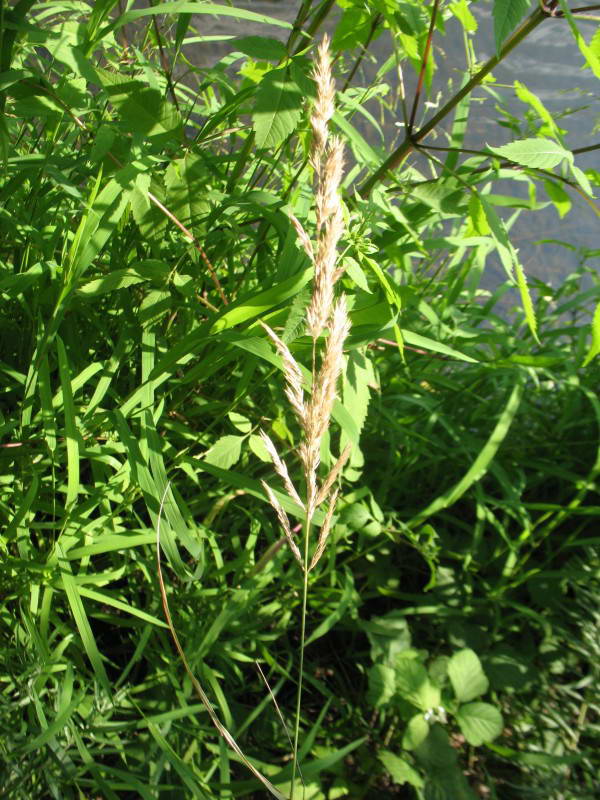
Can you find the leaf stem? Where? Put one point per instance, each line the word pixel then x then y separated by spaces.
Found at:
pixel 401 152
pixel 424 61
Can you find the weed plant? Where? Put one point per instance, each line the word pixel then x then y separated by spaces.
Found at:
pixel 157 287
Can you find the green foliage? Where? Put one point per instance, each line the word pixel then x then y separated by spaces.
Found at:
pixel 145 233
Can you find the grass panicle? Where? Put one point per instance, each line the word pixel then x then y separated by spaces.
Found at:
pixel 324 312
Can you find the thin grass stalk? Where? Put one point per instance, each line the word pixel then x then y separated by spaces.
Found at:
pixel 295 765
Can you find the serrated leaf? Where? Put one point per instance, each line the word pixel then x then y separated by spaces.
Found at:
pixel 416 732
pixel 590 53
pixel 463 13
pixel 356 272
pixel 560 199
pixel 277 108
pixel 499 234
pixel 534 153
pixel 225 452
pixel 595 345
pixel 507 15
pixel 466 675
pixel 399 770
pixel 526 301
pixel 527 96
pixel 295 322
pixel 582 179
pixel 478 223
pixel 479 722
pixel 357 379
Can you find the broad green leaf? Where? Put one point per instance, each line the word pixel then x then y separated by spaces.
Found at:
pixel 414 685
pixel 352 29
pixel 466 675
pixel 416 732
pixel 534 153
pixel 225 452
pixel 143 111
pixel 382 685
pixel 150 219
pixel 277 108
pixel 240 422
pixel 436 752
pixel 388 635
pixel 595 345
pixel 400 770
pixel 507 15
pixel 479 722
pixel 258 448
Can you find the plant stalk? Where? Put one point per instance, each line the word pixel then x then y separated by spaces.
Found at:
pixel 307 526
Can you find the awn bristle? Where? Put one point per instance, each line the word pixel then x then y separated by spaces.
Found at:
pixel 324 532
pixel 281 469
pixel 318 412
pixel 293 375
pixel 284 521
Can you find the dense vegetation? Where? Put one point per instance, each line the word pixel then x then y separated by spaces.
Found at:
pixel 146 231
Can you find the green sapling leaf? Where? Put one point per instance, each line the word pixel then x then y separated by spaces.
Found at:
pixel 400 770
pixel 416 732
pixel 534 153
pixel 479 722
pixel 466 675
